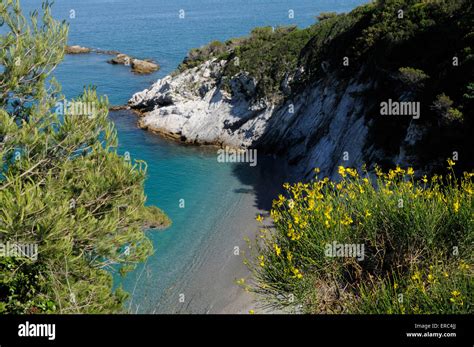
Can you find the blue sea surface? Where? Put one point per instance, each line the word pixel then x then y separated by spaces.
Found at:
pixel 216 195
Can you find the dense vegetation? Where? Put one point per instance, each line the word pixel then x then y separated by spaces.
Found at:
pixel 410 50
pixel 417 238
pixel 63 186
pixel 268 55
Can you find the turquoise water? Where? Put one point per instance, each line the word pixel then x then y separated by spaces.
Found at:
pixel 194 256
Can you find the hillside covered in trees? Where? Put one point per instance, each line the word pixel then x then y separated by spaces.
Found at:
pixel 404 50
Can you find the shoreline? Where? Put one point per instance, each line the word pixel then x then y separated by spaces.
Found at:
pixel 176 138
pixel 197 259
pixel 209 280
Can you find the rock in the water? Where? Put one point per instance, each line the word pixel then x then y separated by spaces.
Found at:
pixel 138 66
pixel 143 66
pixel 77 50
pixel 119 107
pixel 121 59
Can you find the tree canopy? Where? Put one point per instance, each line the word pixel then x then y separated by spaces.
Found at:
pixel 63 185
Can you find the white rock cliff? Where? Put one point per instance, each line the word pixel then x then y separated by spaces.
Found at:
pixel 323 126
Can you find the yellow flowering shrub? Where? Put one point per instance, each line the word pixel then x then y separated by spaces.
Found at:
pixel 401 225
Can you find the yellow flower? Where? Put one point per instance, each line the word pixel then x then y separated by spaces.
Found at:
pixel 251 312
pixel 240 281
pixel 289 256
pixel 277 249
pixel 342 171
pixel 445 274
pixel 327 213
pixel 286 186
pixel 410 171
pixel 317 170
pixel 291 204
pixel 297 219
pixel 431 278
pixel 399 170
pixel 367 214
pixel 456 206
pixel 455 293
pixel 463 266
pixel 280 201
pixel 275 215
pixel 261 258
pixel 347 220
pixel 352 172
pixel 416 276
pixel 259 218
pixel 296 273
pixel 395 285
pixel 378 171
pixel 425 180
pixel 451 162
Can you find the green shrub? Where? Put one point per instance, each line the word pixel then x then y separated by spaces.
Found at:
pixel 454 115
pixel 63 186
pixel 326 15
pixel 412 77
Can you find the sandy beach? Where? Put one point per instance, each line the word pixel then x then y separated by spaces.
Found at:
pixel 206 281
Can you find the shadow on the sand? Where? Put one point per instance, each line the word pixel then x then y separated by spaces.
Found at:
pixel 265 179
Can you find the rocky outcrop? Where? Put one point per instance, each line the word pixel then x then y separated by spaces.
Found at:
pixel 77 50
pixel 144 66
pixel 120 59
pixel 327 123
pixel 193 107
pixel 138 66
pixel 323 126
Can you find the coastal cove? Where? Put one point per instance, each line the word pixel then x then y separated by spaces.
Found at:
pixel 213 205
